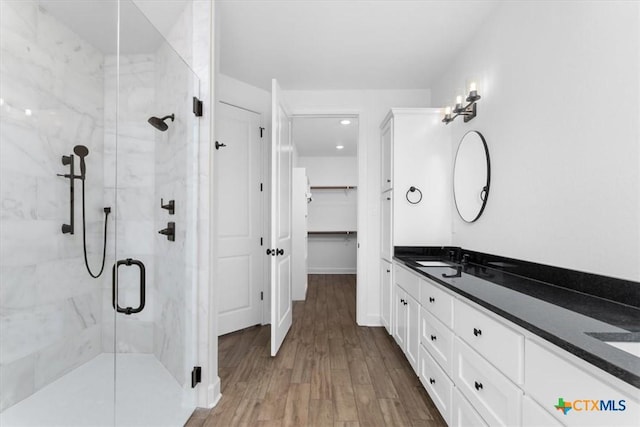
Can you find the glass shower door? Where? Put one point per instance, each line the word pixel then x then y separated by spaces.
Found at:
pixel 154 155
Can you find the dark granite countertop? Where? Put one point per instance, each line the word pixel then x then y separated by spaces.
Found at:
pixel 573 320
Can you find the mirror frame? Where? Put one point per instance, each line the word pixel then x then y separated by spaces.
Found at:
pixel 488 183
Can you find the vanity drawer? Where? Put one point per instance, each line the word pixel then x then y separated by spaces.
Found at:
pixel 463 414
pixel 496 399
pixel 436 301
pixel 407 280
pixel 437 339
pixel 500 345
pixel 534 416
pixel 437 384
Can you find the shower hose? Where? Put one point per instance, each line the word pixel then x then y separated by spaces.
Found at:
pixel 107 211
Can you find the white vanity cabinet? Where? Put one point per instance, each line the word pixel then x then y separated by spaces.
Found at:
pixel 534 416
pixel 483 370
pixel 415 151
pixel 551 374
pixel 407 313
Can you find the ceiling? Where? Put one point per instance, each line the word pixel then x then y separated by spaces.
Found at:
pixel 96 22
pixel 348 44
pixel 318 136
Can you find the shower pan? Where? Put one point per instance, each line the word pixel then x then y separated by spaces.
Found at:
pixel 97 322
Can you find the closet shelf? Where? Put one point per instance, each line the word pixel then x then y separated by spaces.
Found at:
pixel 337 187
pixel 331 232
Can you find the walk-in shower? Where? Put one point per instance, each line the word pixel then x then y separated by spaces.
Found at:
pixel 96 329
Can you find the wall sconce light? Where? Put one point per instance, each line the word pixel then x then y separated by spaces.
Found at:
pixel 467 111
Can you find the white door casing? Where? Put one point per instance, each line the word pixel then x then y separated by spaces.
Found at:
pixel 281 225
pixel 239 216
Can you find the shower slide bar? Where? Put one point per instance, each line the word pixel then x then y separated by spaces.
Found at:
pixel 114 296
pixel 68 160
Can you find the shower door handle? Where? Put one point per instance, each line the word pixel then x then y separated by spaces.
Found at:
pixel 114 302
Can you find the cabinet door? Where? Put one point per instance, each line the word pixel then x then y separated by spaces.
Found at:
pixel 412 343
pixel 386 250
pixel 386 140
pixel 386 297
pixel 399 317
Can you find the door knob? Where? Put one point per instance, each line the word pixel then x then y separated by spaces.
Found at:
pixel 279 251
pixel 220 145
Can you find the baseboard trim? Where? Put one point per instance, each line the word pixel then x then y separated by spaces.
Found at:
pixel 213 393
pixel 332 271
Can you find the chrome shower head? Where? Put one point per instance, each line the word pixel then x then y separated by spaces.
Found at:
pixel 160 123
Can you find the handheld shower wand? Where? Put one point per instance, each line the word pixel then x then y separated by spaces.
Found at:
pixel 82 151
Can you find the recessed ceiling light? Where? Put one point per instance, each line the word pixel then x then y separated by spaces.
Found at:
pixel 27 112
pixel 339 147
pixel 345 122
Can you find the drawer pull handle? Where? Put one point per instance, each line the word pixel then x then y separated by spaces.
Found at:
pixel 405 303
pixel 388 271
pixel 478 385
pixel 401 301
pixel 477 332
pixel 433 337
pixel 432 299
pixel 432 381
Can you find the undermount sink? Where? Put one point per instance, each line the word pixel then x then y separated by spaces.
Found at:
pixel 625 341
pixel 433 264
pixel 630 347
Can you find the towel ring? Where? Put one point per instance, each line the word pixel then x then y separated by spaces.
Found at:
pixel 413 189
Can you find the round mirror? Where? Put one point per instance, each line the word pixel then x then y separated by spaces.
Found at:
pixel 471 176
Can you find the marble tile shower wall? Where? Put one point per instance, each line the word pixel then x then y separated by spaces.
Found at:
pixel 52 99
pixel 130 166
pixel 176 174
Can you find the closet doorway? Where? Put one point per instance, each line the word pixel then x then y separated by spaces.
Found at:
pixel 325 196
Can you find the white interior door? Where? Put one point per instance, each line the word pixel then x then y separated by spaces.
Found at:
pixel 280 250
pixel 239 217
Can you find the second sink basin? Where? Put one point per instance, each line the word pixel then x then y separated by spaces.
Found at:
pixel 433 264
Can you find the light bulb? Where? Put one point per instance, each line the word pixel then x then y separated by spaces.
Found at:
pixel 472 87
pixel 458 100
pixel 447 111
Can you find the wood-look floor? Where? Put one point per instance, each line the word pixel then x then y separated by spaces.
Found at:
pixel 328 372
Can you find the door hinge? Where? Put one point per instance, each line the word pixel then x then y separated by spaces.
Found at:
pixel 261 296
pixel 197 107
pixel 260 186
pixel 196 376
pixel 261 241
pixel 261 130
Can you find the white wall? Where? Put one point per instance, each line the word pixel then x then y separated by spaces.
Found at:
pixel 329 171
pixel 371 106
pixel 560 112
